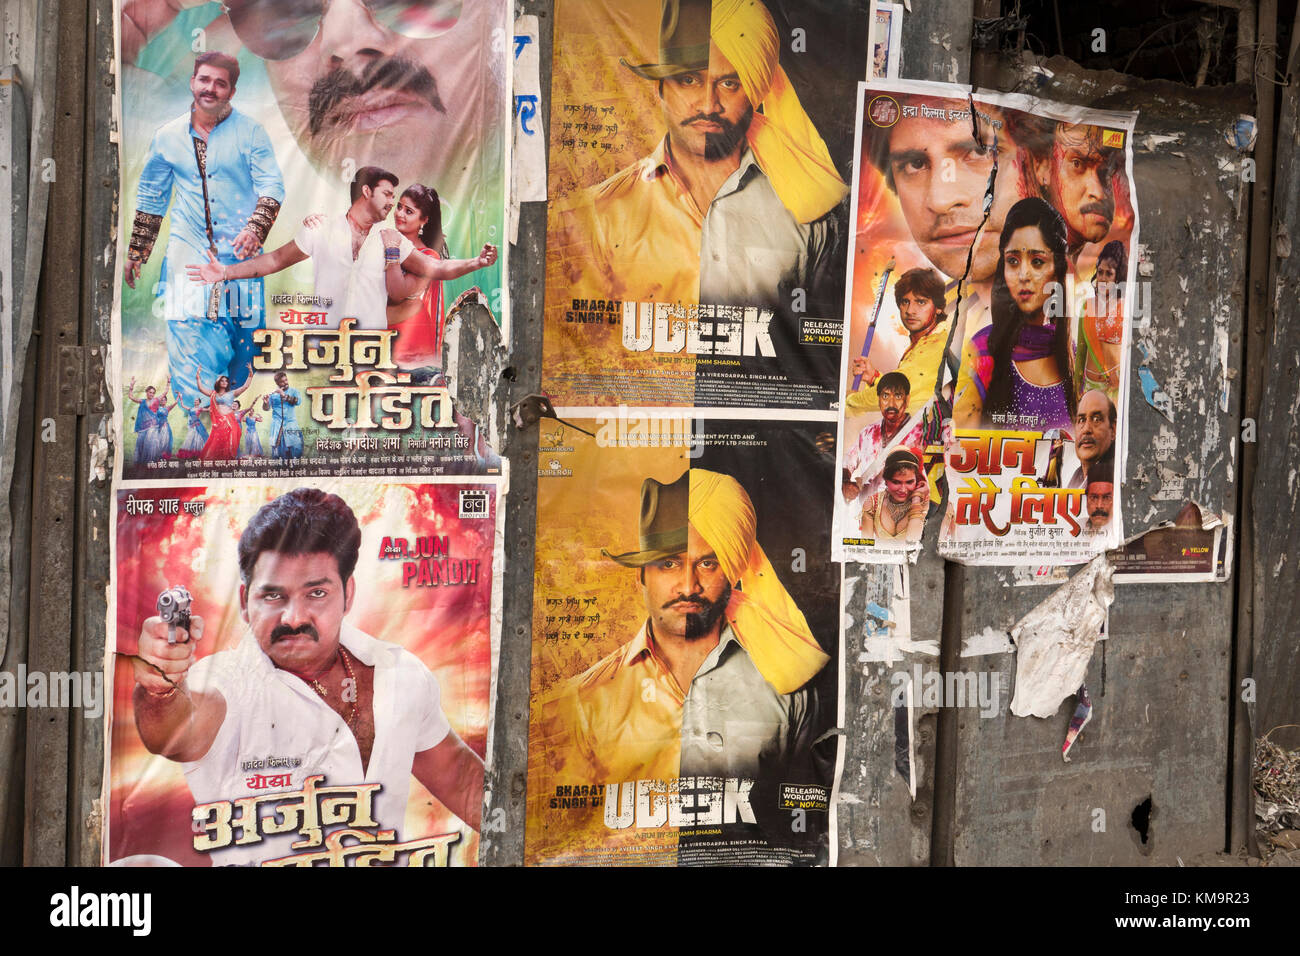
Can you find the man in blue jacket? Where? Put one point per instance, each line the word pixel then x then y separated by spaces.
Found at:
pixel 215 168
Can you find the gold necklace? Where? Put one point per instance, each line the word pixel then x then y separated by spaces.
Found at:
pixel 351 717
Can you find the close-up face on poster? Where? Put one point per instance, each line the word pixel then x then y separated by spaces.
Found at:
pixel 301 676
pixel 686 645
pixel 990 301
pixel 310 194
pixel 698 217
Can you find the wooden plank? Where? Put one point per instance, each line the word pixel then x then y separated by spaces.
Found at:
pixel 1277 495
pixel 508 774
pixel 54 482
pixel 1257 330
pixel 100 271
pixel 1161 683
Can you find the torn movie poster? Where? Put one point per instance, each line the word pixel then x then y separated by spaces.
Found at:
pixel 686 671
pixel 699 185
pixel 313 198
pixel 990 303
pixel 302 674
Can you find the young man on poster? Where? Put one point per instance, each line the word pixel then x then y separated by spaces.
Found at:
pixel 940 173
pixel 733 206
pixel 892 391
pixel 714 682
pixel 919 294
pixel 302 686
pixel 215 168
pixel 356 267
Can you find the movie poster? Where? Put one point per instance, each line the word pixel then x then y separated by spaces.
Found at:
pixel 686 649
pixel 310 195
pixel 699 183
pixel 302 673
pixel 990 303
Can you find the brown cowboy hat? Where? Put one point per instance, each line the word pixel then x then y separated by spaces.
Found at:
pixel 663 522
pixel 683 40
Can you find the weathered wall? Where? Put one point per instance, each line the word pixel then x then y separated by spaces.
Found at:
pixel 1160 684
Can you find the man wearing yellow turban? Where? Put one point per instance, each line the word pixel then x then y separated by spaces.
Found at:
pixel 715 681
pixel 740 203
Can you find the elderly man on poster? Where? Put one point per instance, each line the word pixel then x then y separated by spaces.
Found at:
pixel 734 205
pixel 716 680
pixel 216 170
pixel 302 685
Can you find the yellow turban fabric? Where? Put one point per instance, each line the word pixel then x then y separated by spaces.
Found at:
pixel 787 146
pixel 765 619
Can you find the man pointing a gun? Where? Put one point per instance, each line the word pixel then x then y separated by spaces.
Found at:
pixel 302 685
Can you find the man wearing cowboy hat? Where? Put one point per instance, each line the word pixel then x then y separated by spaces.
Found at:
pixel 740 203
pixel 715 681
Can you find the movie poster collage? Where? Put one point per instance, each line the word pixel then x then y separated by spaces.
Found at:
pixel 307 549
pixel 991 273
pixel 784 327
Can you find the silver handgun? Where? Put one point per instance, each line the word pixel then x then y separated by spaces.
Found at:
pixel 174 609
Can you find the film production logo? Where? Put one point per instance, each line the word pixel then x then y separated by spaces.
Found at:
pixel 473 503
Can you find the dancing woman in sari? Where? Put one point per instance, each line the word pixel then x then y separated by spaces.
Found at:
pixel 250 418
pixel 1016 372
pixel 223 441
pixel 197 434
pixel 153 433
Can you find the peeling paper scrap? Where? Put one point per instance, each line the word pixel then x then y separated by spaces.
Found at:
pixel 988 641
pixel 1156 397
pixel 1195 547
pixel 889 630
pixel 1082 714
pixel 1241 134
pixel 1054 641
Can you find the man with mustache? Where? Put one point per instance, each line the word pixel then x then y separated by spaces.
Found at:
pixel 714 681
pixel 302 684
pixel 1095 421
pixel 215 168
pixel 733 206
pixel 1071 169
pixel 357 268
pixel 892 391
pixel 417 86
pixel 1100 497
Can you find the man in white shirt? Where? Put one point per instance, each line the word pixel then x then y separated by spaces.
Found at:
pixel 356 268
pixel 304 693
